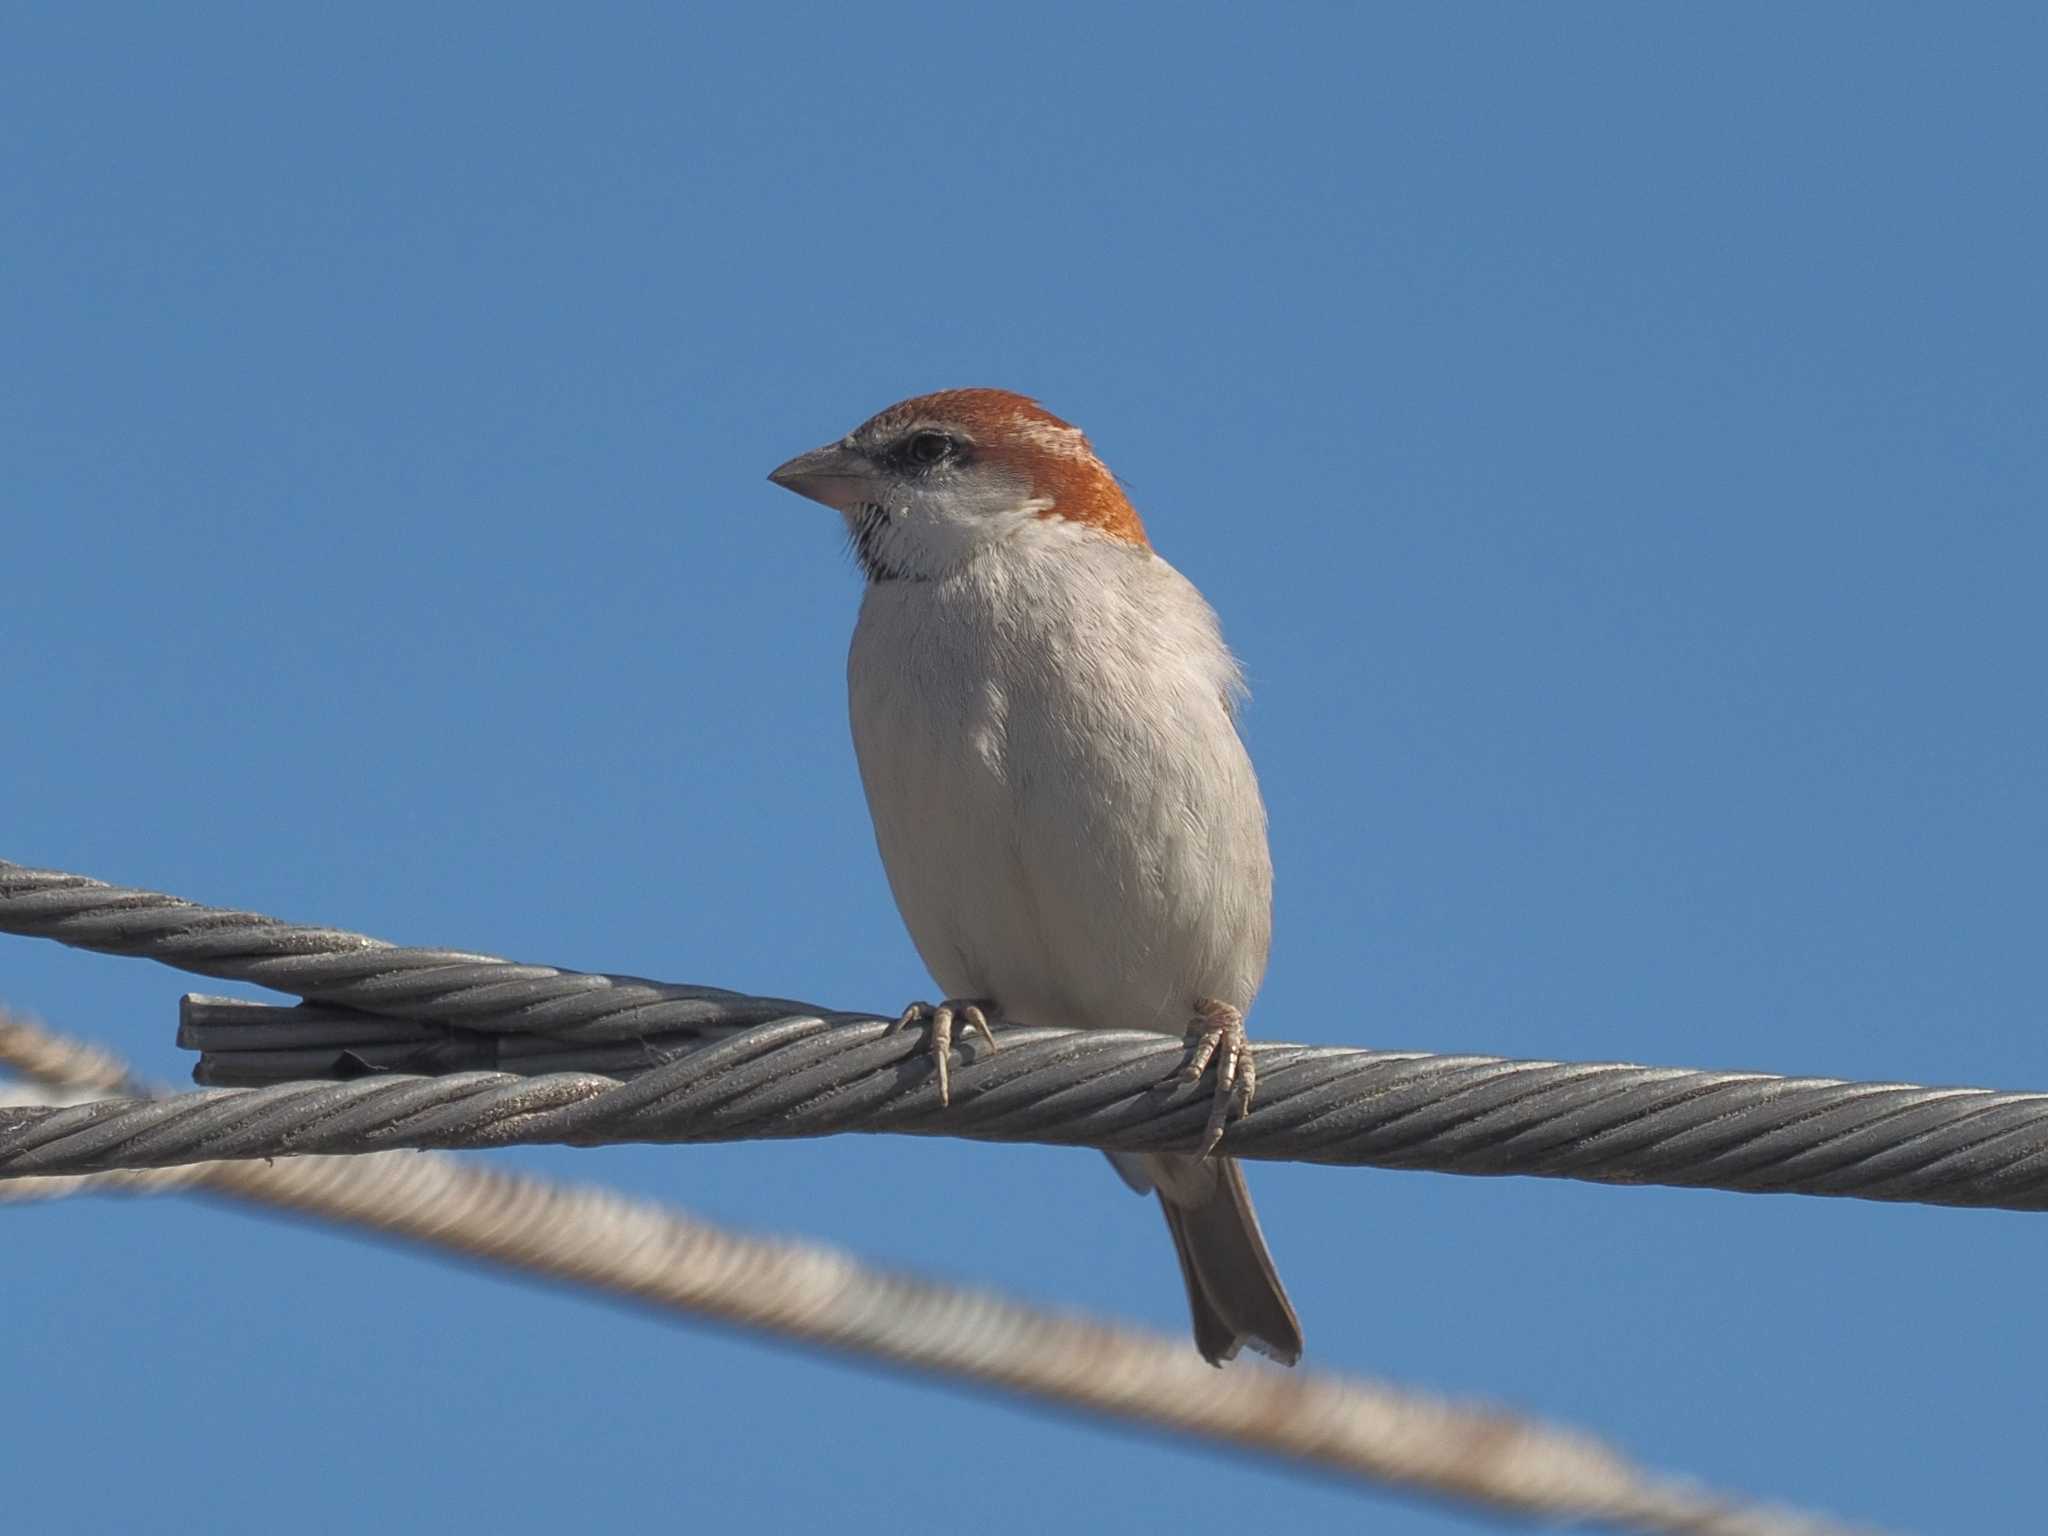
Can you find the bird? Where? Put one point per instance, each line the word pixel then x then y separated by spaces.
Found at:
pixel 1045 717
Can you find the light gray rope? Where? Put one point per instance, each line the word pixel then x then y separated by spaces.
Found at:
pixel 806 1073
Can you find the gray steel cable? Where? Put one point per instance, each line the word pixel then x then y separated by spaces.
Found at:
pixel 812 1077
pixel 665 1259
pixel 807 1073
pixel 445 986
pixel 244 1045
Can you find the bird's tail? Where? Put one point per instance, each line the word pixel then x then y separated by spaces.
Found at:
pixel 1234 1292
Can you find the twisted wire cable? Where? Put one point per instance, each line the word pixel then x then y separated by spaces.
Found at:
pixel 245 1045
pixel 811 1073
pixel 815 1295
pixel 331 965
pixel 815 1077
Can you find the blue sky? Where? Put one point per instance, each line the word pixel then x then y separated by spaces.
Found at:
pixel 1616 439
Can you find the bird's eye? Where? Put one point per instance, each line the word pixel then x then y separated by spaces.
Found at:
pixel 928 447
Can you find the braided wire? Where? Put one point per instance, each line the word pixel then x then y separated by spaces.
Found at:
pixel 332 965
pixel 664 1258
pixel 732 1067
pixel 1608 1123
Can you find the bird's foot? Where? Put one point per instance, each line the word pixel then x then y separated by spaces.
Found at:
pixel 941 1017
pixel 1217 1034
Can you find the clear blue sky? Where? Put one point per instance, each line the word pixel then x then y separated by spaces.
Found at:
pixel 1616 439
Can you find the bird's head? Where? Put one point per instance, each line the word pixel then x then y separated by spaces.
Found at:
pixel 934 481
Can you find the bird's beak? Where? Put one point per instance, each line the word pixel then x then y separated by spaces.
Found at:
pixel 834 474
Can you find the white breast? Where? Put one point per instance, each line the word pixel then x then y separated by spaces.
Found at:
pixel 1069 822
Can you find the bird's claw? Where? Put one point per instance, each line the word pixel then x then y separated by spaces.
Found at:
pixel 1217 1034
pixel 941 1016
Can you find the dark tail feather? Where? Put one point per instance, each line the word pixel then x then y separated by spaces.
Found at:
pixel 1234 1293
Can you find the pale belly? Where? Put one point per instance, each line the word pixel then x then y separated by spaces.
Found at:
pixel 1079 863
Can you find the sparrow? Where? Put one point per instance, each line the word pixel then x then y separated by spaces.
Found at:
pixel 1044 713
